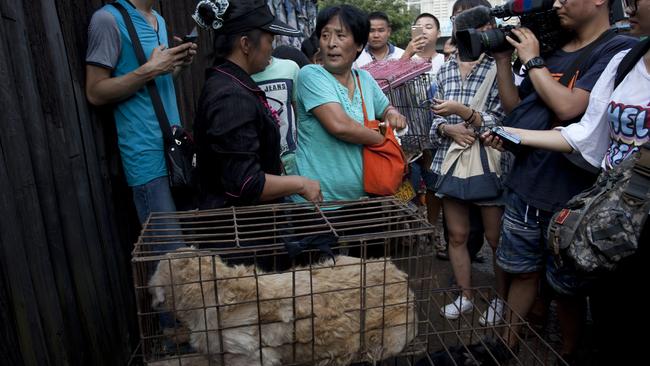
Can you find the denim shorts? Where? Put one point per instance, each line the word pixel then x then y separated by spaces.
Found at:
pixel 523 237
pixel 566 280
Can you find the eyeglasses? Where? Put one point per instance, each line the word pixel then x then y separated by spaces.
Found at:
pixel 563 2
pixel 453 17
pixel 630 6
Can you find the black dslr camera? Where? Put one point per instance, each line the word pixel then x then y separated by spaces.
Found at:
pixel 537 15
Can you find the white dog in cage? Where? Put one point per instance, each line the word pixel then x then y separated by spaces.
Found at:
pixel 297 311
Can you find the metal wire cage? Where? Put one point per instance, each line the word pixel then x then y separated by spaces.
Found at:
pixel 259 285
pixel 465 341
pixel 407 85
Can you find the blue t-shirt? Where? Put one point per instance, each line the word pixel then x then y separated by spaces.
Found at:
pixel 139 136
pixel 547 180
pixel 336 164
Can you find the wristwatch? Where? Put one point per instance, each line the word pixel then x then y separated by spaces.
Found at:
pixel 535 62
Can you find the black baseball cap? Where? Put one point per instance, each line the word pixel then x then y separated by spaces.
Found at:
pixel 258 18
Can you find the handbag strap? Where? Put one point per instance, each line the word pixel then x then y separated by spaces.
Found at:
pixel 158 106
pixel 363 103
pixel 484 158
pixel 480 98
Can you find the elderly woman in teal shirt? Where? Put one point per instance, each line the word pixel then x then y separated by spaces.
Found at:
pixel 331 133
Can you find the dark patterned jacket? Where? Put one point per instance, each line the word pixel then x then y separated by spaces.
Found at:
pixel 237 138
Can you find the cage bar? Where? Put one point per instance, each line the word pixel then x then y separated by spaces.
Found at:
pixel 407 84
pixel 238 298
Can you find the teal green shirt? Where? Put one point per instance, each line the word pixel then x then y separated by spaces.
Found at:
pixel 336 164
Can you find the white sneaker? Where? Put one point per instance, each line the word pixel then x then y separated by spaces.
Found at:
pixel 461 305
pixel 494 313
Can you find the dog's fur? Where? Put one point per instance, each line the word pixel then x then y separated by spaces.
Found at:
pixel 328 296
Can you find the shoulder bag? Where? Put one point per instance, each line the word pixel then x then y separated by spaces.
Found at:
pixel 180 151
pixel 383 164
pixel 472 173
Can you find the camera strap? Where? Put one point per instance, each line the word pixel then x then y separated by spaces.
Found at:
pixel 584 55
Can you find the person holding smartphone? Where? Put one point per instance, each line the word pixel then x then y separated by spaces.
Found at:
pixel 114 77
pixel 457 84
pixel 424 36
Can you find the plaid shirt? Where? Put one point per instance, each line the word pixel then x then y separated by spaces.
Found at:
pixel 452 87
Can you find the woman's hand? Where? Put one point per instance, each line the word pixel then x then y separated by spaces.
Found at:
pixel 311 190
pixel 461 134
pixel 395 118
pixel 448 107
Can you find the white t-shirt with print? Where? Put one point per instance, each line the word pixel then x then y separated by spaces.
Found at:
pixel 436 63
pixel 616 122
pixel 278 81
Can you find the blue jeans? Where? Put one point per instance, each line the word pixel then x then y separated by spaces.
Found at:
pixel 155 196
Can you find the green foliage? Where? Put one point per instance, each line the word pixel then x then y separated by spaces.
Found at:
pixel 397 11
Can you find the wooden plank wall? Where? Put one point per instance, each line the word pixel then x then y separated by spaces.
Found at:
pixel 67 223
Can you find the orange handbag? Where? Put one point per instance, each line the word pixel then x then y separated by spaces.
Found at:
pixel 383 164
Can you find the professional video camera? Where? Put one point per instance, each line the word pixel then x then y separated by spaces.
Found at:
pixel 537 15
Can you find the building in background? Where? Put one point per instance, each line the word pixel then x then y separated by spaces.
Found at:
pixel 442 10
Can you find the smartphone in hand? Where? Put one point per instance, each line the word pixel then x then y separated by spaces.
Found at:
pixel 511 142
pixel 427 103
pixel 192 37
pixel 416 31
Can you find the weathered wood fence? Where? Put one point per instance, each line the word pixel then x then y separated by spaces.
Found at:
pixel 66 219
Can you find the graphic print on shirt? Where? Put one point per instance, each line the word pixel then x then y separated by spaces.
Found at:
pixel 279 97
pixel 629 128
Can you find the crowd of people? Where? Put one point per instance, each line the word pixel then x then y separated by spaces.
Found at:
pixel 287 125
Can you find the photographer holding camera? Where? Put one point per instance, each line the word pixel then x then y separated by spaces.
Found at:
pixel 554 93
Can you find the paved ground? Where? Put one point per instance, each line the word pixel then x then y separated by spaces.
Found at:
pixel 483 275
